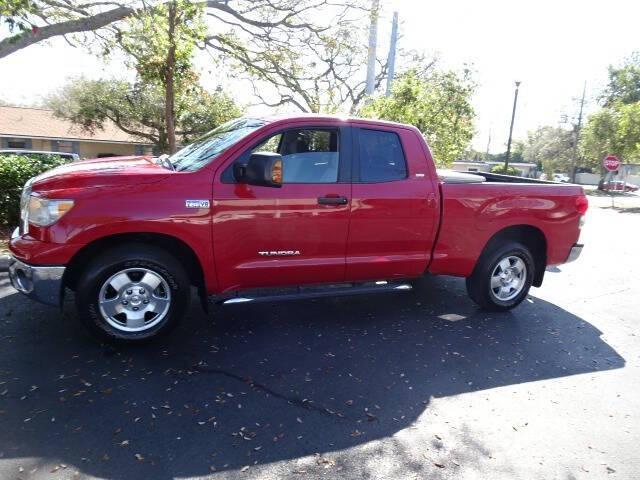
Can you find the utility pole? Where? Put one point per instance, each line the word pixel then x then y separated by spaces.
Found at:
pixel 373 40
pixel 513 116
pixel 486 155
pixel 574 157
pixel 391 61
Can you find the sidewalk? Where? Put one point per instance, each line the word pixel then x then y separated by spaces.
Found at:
pixel 4 248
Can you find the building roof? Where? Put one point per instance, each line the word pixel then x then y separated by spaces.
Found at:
pixel 42 123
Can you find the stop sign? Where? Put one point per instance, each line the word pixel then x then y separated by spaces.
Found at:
pixel 611 163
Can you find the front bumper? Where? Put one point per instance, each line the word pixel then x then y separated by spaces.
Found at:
pixel 43 284
pixel 575 252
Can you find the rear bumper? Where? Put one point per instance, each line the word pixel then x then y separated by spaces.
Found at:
pixel 575 252
pixel 43 284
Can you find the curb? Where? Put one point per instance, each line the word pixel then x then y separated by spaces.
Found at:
pixel 4 263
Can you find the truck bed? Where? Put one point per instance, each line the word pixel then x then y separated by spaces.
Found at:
pixel 474 209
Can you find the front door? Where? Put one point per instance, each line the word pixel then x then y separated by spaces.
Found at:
pixel 296 234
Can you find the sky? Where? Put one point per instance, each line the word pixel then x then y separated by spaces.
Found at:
pixel 552 46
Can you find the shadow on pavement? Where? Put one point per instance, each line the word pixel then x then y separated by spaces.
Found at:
pixel 267 382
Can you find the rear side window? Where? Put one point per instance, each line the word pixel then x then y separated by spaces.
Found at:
pixel 381 156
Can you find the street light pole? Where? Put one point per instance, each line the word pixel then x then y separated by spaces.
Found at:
pixel 513 116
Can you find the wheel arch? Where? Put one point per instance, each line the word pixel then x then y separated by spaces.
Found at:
pixel 532 237
pixel 174 246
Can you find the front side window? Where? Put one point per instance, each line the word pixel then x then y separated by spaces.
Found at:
pixel 208 147
pixel 308 155
pixel 381 157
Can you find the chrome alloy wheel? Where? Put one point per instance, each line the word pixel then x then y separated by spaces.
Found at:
pixel 508 278
pixel 134 299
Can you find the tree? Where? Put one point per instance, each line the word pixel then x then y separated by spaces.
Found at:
pixel 549 147
pixel 624 82
pixel 505 171
pixel 614 130
pixel 160 44
pixel 437 103
pixel 313 70
pixel 33 21
pixel 309 60
pixel 138 109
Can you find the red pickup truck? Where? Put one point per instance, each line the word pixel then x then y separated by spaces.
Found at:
pixel 278 208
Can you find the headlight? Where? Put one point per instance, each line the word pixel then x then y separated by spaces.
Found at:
pixel 44 212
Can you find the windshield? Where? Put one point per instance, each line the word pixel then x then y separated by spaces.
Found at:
pixel 206 148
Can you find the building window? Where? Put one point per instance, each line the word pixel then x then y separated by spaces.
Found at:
pixel 64 146
pixel 16 143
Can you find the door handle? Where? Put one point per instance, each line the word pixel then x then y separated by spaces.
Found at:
pixel 331 200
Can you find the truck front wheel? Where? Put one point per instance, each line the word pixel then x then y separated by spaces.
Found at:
pixel 502 277
pixel 132 293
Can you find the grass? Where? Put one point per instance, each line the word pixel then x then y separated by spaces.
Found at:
pixel 608 193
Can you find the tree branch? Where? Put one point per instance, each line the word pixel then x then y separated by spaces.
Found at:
pixel 16 42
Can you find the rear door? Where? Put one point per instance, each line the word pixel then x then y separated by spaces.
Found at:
pixel 296 234
pixel 394 207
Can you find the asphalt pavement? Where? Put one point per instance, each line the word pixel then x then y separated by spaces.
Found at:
pixel 415 385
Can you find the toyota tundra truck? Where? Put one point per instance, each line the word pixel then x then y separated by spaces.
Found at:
pixel 287 207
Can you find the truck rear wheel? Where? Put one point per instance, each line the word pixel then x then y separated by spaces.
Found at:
pixel 502 277
pixel 132 293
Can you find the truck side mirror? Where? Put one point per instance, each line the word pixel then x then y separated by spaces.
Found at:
pixel 263 169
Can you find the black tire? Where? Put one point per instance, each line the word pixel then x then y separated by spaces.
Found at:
pixel 479 283
pixel 129 257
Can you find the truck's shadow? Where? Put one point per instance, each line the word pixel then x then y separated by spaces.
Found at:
pixel 267 383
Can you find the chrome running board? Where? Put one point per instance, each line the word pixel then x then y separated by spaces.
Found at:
pixel 304 293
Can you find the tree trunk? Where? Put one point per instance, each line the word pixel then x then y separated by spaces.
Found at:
pixel 169 81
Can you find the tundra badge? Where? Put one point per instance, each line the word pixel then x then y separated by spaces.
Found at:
pixel 197 203
pixel 278 253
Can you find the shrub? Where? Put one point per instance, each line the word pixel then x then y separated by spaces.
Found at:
pixel 15 170
pixel 501 170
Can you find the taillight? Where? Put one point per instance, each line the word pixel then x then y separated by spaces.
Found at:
pixel 582 204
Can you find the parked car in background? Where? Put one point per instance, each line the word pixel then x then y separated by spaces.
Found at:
pixel 72 157
pixel 265 209
pixel 561 177
pixel 619 185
